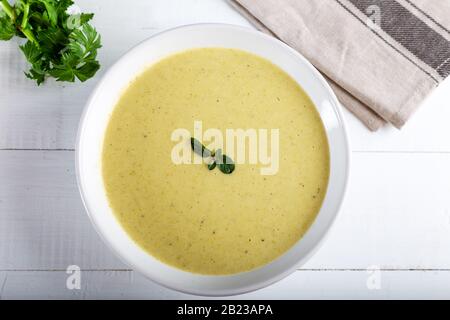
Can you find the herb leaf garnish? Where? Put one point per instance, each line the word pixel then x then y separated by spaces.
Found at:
pixel 200 149
pixel 227 166
pixel 217 158
pixel 59 45
pixel 212 165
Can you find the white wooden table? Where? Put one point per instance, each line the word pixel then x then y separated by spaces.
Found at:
pixel 396 218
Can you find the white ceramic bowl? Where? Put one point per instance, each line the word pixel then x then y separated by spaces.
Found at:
pixel 95 119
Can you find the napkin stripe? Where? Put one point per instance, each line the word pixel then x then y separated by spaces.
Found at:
pixel 428 16
pixel 411 32
pixel 387 42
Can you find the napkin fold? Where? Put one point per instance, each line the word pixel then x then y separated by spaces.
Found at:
pixel 381 57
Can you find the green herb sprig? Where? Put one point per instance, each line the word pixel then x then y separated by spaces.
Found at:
pixel 216 158
pixel 59 45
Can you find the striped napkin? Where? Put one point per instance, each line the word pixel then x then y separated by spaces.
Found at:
pixel 382 57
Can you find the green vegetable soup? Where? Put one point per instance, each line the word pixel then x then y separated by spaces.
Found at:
pixel 205 221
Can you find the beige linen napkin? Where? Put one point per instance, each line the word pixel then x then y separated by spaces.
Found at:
pixel 382 57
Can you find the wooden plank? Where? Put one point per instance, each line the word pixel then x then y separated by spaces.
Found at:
pixel 47 117
pixel 397 215
pixel 42 220
pixel 300 285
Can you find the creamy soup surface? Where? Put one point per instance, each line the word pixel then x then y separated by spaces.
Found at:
pixel 205 221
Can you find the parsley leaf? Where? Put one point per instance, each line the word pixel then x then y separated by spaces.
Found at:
pixel 39 65
pixel 7 29
pixel 58 45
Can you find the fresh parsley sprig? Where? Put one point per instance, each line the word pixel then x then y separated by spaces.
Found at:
pixel 58 45
pixel 215 158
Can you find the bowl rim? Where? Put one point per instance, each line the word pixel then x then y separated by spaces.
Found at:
pixel 336 105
